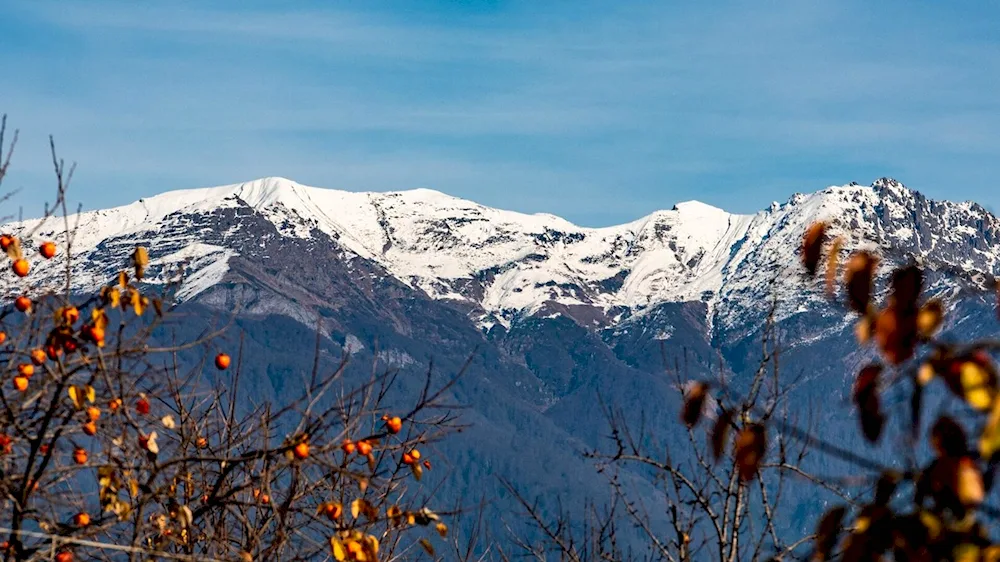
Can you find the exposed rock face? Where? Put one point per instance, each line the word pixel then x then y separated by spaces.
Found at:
pixel 564 319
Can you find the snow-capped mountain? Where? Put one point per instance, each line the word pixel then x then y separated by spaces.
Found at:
pixel 504 265
pixel 564 320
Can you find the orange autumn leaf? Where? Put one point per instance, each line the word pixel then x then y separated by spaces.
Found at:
pixel 750 448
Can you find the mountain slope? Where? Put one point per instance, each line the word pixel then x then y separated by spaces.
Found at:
pixel 564 321
pixel 503 265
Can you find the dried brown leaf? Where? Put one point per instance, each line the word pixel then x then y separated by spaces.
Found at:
pixel 896 333
pixel 930 317
pixel 859 272
pixel 948 438
pixel 694 403
pixel 906 285
pixel 812 246
pixel 866 398
pixel 720 433
pixel 751 444
pixel 827 532
pixel 832 263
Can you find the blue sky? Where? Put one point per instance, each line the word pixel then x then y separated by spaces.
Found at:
pixel 597 111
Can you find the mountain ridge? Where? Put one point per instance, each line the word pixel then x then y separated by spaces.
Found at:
pixel 561 321
pixel 503 265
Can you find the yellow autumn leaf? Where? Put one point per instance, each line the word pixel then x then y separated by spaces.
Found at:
pixel 76 395
pixel 931 523
pixel 91 394
pixel 989 441
pixel 141 256
pixel 339 552
pixel 442 530
pixel 141 259
pixel 103 477
pixel 969 488
pixel 394 513
pixel 355 508
pixel 99 318
pixel 930 317
pixel 976 384
pixel 122 279
pixel 151 445
pixel 139 302
pixel 427 546
pixel 966 553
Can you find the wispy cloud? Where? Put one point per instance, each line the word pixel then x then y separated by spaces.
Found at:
pixel 596 112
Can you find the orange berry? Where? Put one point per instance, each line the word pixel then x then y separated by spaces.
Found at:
pixel 90 428
pixel 37 356
pixel 64 556
pixel 21 383
pixel 202 442
pixel 348 446
pixel 93 413
pixel 301 451
pixel 408 459
pixel 26 370
pixel 81 519
pixel 222 361
pixel 364 448
pixel 394 424
pixel 70 315
pixel 3 337
pixel 47 249
pixel 415 454
pixel 142 406
pixel 21 267
pixel 115 404
pixel 333 510
pixel 265 499
pixel 22 303
pixel 80 456
pixel 6 241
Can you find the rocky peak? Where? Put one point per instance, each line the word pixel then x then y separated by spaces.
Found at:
pixel 504 265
